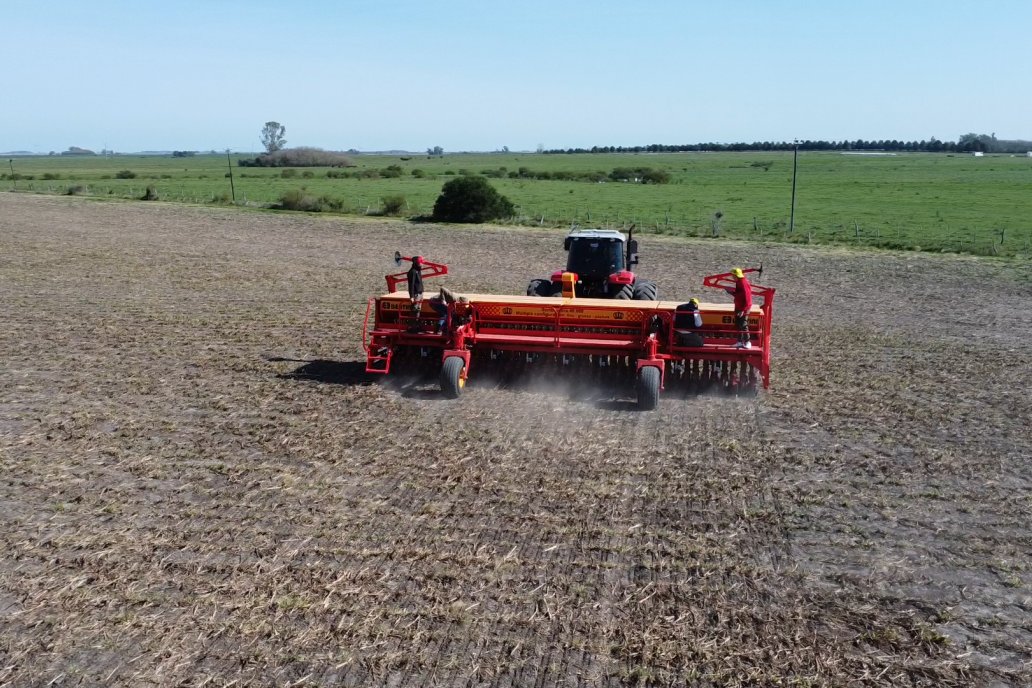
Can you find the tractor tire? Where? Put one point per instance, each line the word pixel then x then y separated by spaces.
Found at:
pixel 648 388
pixel 539 287
pixel 452 380
pixel 646 290
pixel 625 293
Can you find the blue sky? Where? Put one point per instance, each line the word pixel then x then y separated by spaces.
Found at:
pixel 479 75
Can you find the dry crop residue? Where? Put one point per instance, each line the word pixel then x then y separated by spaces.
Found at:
pixel 200 484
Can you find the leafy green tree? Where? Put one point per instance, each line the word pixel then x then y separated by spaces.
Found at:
pixel 976 142
pixel 435 152
pixel 471 199
pixel 272 136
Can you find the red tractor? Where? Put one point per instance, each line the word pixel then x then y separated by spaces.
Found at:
pixel 600 261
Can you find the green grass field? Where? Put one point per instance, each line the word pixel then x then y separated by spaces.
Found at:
pixel 924 201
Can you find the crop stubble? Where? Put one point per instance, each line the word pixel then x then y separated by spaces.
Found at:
pixel 199 483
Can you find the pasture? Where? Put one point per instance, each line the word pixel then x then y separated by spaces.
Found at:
pixel 925 201
pixel 200 486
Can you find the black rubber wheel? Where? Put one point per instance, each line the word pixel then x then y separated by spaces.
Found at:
pixel 646 290
pixel 539 287
pixel 452 381
pixel 625 293
pixel 648 388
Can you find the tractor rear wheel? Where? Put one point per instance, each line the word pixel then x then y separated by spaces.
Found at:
pixel 646 290
pixel 452 379
pixel 648 388
pixel 625 293
pixel 539 287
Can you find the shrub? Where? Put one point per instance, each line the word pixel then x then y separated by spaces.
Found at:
pixel 644 175
pixel 392 205
pixel 51 175
pixel 297 199
pixel 655 177
pixel 298 157
pixel 392 171
pixel 418 173
pixel 125 174
pixel 471 199
pixel 307 174
pixel 151 194
pixel 76 189
pixel 288 174
pixel 328 203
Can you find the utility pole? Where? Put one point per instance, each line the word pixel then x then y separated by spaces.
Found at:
pixel 795 165
pixel 10 161
pixel 232 187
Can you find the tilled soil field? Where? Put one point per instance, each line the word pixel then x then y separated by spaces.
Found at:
pixel 200 486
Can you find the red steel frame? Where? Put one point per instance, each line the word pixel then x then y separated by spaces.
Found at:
pixel 642 330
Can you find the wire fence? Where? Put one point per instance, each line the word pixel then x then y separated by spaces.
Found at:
pixel 944 236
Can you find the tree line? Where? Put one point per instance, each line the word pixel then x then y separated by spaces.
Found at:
pixel 968 143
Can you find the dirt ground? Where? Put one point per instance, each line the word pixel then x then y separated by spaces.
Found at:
pixel 200 486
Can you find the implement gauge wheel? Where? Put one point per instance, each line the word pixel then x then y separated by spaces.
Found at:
pixel 648 388
pixel 452 380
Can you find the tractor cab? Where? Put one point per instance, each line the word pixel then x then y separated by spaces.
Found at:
pixel 600 264
pixel 595 254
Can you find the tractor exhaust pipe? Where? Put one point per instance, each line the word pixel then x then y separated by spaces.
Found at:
pixel 632 248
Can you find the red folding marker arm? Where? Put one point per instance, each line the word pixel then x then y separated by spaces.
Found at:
pixel 428 268
pixel 725 281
